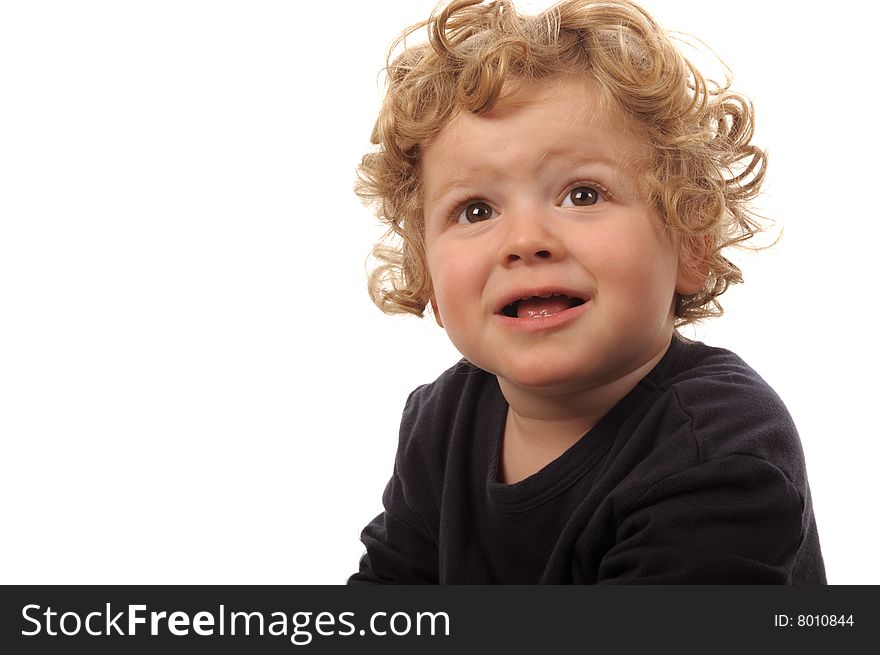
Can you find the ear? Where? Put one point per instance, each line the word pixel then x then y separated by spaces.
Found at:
pixel 693 264
pixel 436 311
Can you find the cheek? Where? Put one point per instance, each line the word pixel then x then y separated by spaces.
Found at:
pixel 635 262
pixel 456 279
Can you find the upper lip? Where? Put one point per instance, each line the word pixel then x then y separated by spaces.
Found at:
pixel 545 290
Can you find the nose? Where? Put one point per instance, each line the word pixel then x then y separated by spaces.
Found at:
pixel 529 239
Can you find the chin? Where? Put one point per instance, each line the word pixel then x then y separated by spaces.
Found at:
pixel 542 378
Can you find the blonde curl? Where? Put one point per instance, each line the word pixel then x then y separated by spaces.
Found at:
pixel 703 173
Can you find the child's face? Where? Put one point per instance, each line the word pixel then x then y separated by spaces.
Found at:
pixel 536 198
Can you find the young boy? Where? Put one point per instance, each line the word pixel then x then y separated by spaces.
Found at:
pixel 562 187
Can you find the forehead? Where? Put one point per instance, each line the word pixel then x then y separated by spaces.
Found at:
pixel 555 119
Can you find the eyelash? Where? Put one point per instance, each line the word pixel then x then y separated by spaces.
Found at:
pixel 593 184
pixel 460 206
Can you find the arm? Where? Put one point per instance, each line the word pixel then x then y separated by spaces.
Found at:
pixel 732 520
pixel 401 547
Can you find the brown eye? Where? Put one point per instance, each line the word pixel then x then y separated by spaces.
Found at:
pixel 583 196
pixel 474 212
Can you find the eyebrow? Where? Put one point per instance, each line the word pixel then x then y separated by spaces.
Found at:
pixel 448 186
pixel 462 181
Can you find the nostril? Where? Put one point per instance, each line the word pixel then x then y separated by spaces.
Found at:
pixel 512 257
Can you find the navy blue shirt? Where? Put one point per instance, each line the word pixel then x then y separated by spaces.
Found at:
pixel 696 476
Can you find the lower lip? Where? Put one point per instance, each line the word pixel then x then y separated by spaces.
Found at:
pixel 538 323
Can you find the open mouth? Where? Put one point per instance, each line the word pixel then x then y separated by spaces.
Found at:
pixel 540 306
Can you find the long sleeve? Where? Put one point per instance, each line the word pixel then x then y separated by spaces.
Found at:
pixel 696 476
pixel 399 549
pixel 400 546
pixel 731 520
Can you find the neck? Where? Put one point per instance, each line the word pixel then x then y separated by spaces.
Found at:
pixel 559 417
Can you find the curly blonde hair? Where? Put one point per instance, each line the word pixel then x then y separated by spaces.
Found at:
pixel 702 173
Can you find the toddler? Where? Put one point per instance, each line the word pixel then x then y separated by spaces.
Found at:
pixel 561 189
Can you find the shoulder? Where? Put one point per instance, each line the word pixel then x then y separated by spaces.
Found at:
pixel 730 409
pixel 716 468
pixel 457 388
pixel 438 419
pixel 462 377
pixel 456 401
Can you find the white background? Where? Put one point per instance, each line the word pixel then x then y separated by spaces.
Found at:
pixel 194 385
